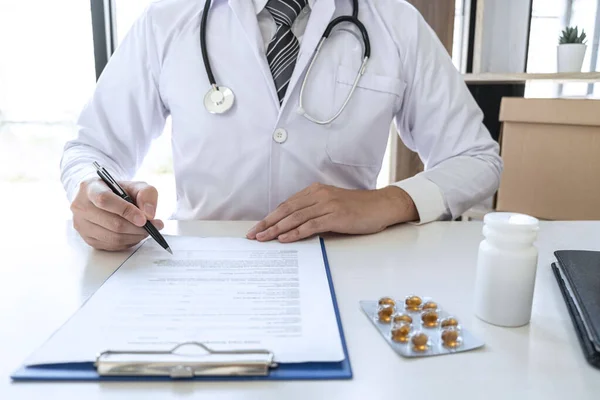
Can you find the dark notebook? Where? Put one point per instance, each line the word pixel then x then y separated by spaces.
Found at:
pixel 578 276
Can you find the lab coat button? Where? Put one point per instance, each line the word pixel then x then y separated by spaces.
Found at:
pixel 280 135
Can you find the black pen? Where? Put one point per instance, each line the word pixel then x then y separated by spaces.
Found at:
pixel 118 190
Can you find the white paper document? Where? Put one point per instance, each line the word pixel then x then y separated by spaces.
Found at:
pixel 227 293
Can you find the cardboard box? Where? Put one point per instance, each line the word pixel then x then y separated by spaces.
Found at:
pixel 551 152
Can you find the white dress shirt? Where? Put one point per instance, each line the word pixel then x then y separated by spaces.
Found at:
pixel 234 166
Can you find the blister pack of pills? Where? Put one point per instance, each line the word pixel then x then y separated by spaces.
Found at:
pixel 418 327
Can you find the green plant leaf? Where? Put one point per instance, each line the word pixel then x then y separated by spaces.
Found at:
pixel 571 35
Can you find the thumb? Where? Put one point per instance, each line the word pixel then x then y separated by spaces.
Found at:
pixel 144 195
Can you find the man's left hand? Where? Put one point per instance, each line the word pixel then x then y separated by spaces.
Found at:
pixel 322 208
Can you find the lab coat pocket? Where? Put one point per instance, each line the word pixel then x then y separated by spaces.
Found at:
pixel 359 136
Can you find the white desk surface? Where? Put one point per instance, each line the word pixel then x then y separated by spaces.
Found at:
pixel 47 272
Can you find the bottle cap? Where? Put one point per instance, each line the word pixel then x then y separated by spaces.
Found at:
pixel 511 220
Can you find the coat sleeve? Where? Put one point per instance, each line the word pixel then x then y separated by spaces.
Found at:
pixel 441 121
pixel 124 115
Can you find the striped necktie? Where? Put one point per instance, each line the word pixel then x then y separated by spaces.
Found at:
pixel 283 49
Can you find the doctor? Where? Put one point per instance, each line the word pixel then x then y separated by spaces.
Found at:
pixel 254 153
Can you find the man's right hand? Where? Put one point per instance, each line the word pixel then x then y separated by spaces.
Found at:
pixel 107 222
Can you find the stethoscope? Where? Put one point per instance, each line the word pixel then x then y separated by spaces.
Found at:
pixel 220 99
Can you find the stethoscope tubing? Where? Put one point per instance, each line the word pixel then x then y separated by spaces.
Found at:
pixel 217 108
pixel 207 66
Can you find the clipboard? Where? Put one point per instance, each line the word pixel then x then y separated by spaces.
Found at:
pixel 209 365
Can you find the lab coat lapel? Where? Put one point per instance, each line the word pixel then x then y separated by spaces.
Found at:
pixel 320 16
pixel 246 15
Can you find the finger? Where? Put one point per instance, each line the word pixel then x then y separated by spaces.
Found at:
pixel 108 238
pixel 262 225
pixel 98 245
pixel 113 222
pixel 285 209
pixel 158 224
pixel 146 196
pixel 102 197
pixel 292 221
pixel 118 224
pixel 312 227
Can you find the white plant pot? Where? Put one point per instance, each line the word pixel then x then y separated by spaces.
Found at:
pixel 570 57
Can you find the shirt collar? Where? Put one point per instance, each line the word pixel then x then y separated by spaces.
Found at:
pixel 259 5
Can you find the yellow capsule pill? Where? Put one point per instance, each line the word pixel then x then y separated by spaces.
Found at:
pixel 420 342
pixel 451 338
pixel 449 321
pixel 430 305
pixel 430 319
pixel 413 303
pixel 387 301
pixel 384 313
pixel 402 318
pixel 401 333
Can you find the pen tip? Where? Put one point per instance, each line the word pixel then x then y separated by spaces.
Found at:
pixel 169 250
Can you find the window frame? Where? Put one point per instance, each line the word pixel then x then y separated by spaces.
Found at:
pixel 104 32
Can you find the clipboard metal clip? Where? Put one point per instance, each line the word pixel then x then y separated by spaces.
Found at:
pixel 180 365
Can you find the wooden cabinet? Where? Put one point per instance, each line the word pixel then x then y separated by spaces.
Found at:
pixel 439 14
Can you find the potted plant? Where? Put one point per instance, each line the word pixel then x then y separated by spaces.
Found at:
pixel 571 50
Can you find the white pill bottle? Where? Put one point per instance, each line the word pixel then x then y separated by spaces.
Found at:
pixel 506 268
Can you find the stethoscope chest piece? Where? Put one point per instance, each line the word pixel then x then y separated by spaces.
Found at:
pixel 218 100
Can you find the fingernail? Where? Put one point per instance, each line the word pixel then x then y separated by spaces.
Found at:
pixel 283 237
pixel 251 233
pixel 159 224
pixel 149 209
pixel 261 235
pixel 139 220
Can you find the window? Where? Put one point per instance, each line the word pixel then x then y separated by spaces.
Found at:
pixel 461 34
pixel 548 19
pixel 46 75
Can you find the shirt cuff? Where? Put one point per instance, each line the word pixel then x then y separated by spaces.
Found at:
pixel 427 197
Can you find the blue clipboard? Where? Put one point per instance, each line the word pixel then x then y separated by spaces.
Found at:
pixel 296 371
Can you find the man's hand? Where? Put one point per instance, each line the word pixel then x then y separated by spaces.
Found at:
pixel 107 222
pixel 321 208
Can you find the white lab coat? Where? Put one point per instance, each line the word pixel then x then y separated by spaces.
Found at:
pixel 230 167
